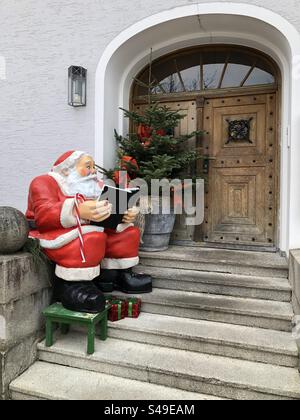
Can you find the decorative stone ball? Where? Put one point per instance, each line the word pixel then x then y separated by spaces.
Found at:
pixel 14 230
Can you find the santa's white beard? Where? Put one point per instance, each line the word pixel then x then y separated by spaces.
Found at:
pixel 87 186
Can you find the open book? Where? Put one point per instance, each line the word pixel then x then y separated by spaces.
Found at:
pixel 121 199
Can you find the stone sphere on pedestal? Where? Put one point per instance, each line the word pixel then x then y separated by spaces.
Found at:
pixel 13 230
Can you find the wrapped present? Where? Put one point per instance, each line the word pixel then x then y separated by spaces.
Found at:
pixel 118 308
pixel 133 307
pixel 109 299
pixel 123 308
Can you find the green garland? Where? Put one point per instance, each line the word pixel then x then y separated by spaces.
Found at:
pixel 33 246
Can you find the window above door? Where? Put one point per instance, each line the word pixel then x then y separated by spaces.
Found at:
pixel 206 68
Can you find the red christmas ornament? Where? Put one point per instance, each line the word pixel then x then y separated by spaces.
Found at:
pixel 124 176
pixel 161 132
pixel 129 160
pixel 145 134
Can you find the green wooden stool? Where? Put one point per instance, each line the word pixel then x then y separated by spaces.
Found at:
pixel 57 314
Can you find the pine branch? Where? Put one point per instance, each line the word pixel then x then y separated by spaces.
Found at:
pixel 34 248
pixel 161 154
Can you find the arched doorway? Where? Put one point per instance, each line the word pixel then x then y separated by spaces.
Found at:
pixel 231 94
pixel 203 24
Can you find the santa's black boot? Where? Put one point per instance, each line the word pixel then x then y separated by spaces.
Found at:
pixel 105 282
pixel 129 282
pixel 79 296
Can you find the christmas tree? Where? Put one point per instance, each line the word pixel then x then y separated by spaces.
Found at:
pixel 153 151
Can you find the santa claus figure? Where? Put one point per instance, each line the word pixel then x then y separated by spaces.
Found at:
pixel 64 211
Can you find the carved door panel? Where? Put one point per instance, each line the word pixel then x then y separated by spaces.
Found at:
pixel 241 196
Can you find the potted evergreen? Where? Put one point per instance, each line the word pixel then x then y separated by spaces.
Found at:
pixel 153 151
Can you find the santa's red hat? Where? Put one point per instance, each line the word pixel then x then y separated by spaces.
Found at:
pixel 68 160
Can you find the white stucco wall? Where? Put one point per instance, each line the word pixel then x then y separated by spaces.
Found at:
pixel 39 40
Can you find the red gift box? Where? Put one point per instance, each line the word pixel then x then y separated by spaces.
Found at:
pixel 133 307
pixel 118 309
pixel 123 308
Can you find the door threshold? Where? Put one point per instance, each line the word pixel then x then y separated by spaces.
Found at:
pixel 232 247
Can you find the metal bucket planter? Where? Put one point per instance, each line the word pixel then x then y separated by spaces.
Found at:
pixel 158 229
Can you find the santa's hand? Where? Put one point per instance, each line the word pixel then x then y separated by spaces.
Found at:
pixel 95 211
pixel 103 211
pixel 131 215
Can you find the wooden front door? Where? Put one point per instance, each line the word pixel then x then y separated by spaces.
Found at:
pixel 241 195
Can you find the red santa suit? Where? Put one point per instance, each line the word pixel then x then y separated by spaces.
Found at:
pixel 63 239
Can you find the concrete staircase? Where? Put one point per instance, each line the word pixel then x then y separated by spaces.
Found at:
pixel 217 326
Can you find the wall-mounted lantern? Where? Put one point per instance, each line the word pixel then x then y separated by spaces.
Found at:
pixel 77 86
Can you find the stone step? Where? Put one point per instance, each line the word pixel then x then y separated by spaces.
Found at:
pixel 268 288
pixel 186 370
pixel 229 310
pixel 218 260
pixel 45 381
pixel 253 344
